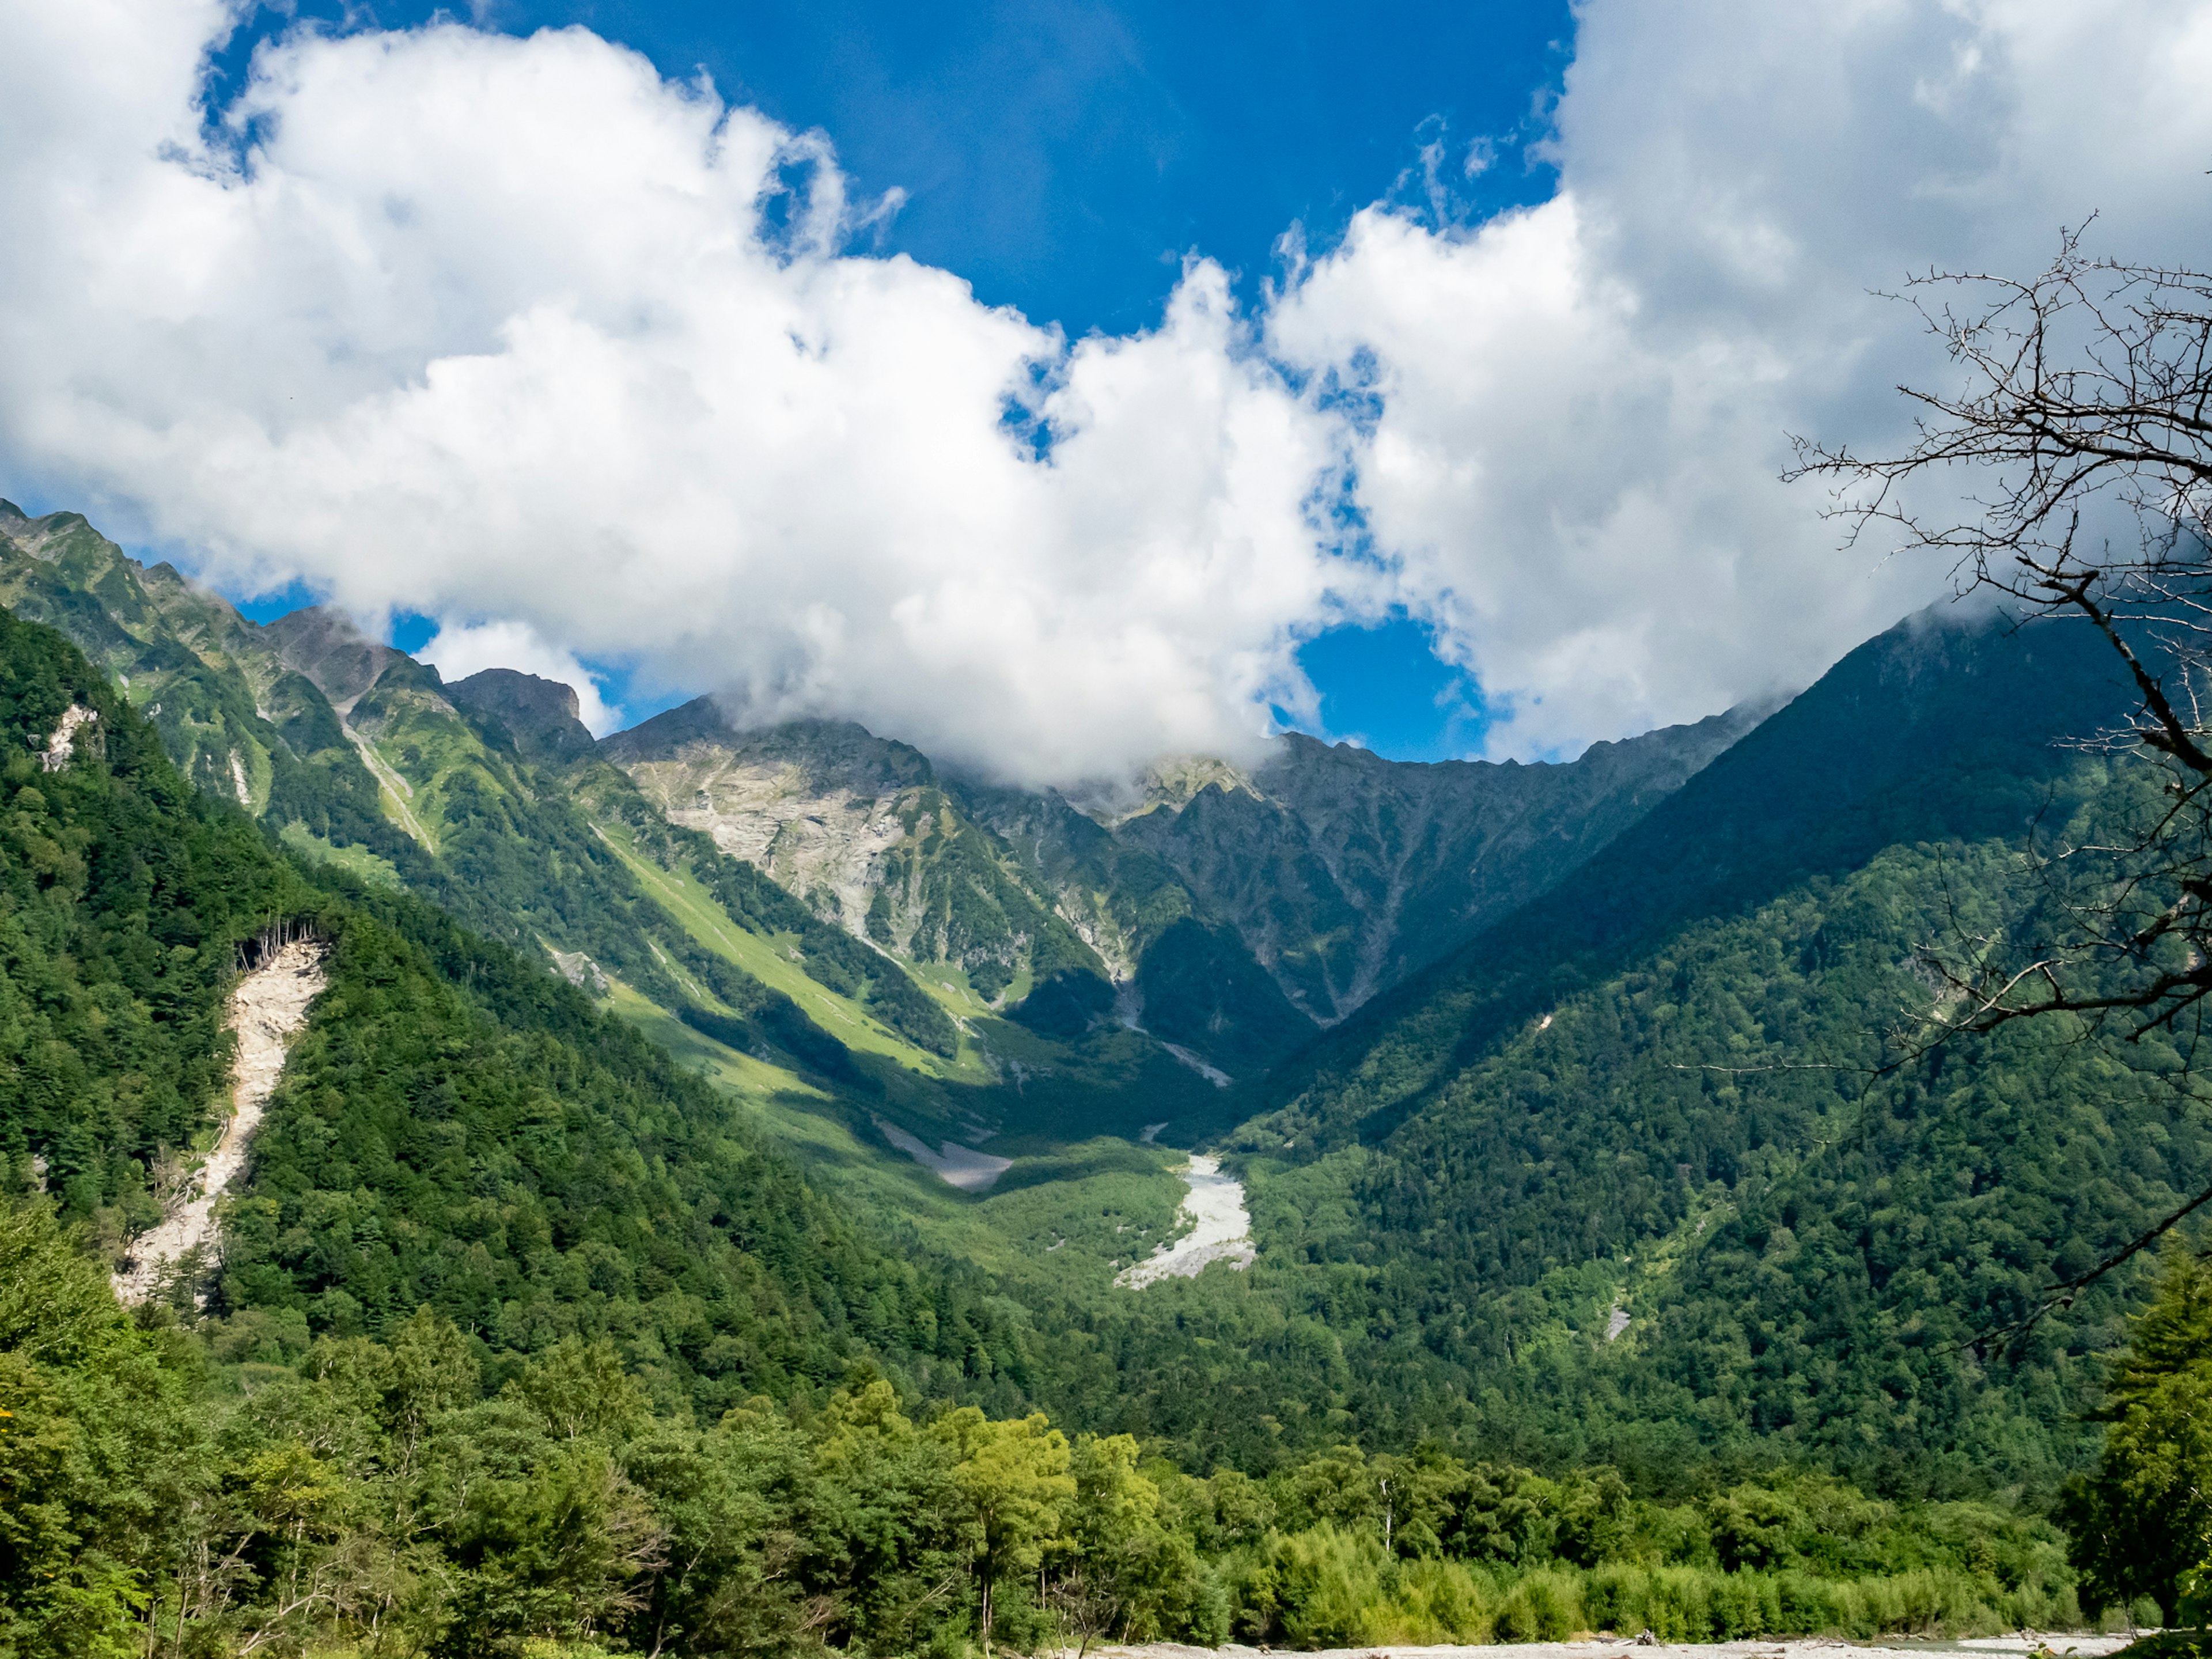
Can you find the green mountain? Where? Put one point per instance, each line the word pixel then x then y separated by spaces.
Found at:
pixel 357 754
pixel 820 917
pixel 1645 1172
pixel 697 1123
pixel 1525 1070
pixel 455 1129
pixel 1237 915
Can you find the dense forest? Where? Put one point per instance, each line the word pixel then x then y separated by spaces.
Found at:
pixel 393 1498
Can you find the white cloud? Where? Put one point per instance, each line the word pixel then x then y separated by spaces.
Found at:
pixel 1584 406
pixel 458 651
pixel 499 330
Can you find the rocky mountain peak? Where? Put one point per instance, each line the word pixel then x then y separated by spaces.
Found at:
pixel 324 645
pixel 542 716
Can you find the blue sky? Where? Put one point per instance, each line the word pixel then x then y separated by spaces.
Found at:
pixel 1064 156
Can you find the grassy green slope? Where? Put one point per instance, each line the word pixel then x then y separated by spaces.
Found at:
pixel 404 787
pixel 455 1127
pixel 235 720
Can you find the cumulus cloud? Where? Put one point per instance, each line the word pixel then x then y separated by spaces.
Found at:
pixel 1583 408
pixel 518 334
pixel 515 333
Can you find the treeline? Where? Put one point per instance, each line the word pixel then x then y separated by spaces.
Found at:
pixel 418 1496
pixel 458 1128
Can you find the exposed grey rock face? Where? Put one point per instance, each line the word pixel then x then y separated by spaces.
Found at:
pixel 542 716
pixel 1339 871
pixel 324 645
pixel 863 830
pixel 1343 872
pixel 817 803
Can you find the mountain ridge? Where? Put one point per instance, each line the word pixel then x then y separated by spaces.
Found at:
pixel 817 802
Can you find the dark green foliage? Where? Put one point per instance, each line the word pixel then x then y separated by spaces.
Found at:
pixel 457 1129
pixel 1066 1004
pixel 1201 989
pixel 97 1440
pixel 120 899
pixel 2142 1523
pixel 772 1021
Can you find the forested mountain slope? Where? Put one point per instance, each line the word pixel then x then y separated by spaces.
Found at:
pixel 1646 1094
pixel 1237 914
pixel 481 800
pixel 456 1129
pixel 1645 1172
pixel 522 1343
pixel 959 957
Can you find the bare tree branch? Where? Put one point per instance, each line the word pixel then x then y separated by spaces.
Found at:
pixel 2081 418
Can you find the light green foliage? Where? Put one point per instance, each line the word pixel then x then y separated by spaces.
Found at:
pixel 357 861
pixel 397 1498
pixel 97 1439
pixel 2142 1523
pixel 1013 1478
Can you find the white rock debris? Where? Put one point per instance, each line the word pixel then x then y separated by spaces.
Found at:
pixel 268 1006
pixel 580 971
pixel 1222 1232
pixel 63 744
pixel 956 1165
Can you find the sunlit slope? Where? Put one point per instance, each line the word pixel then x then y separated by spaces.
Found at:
pixel 864 831
pixel 453 1128
pixel 1059 1224
pixel 237 721
pixel 352 752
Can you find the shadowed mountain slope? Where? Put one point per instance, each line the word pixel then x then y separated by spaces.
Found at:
pixel 1239 913
pixel 1640 1175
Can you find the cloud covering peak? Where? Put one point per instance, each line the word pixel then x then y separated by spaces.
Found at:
pixel 518 334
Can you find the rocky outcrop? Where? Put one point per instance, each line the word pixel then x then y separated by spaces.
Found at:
pixel 817 803
pixel 1343 872
pixel 863 831
pixel 323 646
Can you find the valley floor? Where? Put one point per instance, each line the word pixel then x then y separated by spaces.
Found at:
pixel 2078 1645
